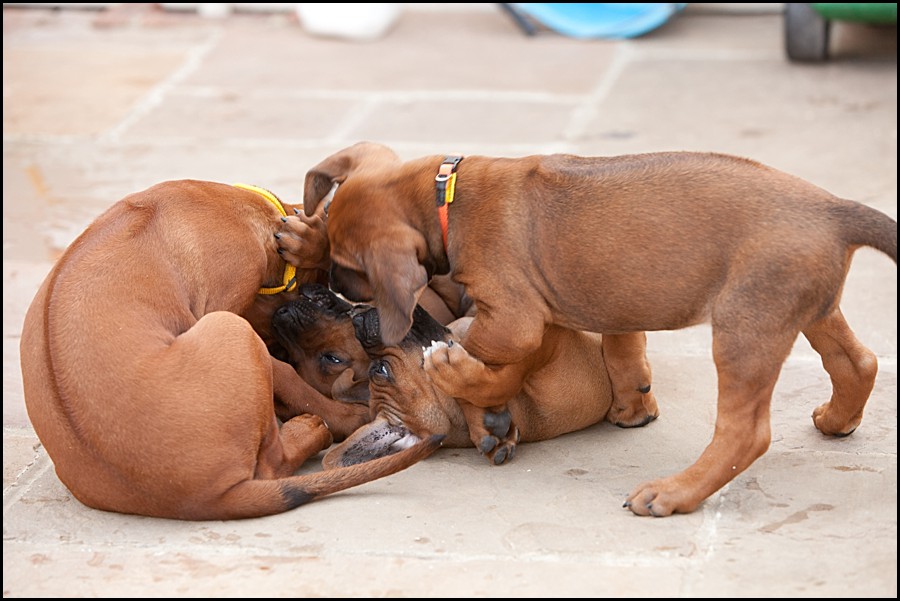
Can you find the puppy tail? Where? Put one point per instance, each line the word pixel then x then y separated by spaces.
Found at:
pixel 865 226
pixel 257 498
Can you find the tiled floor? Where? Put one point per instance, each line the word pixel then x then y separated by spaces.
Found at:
pixel 98 105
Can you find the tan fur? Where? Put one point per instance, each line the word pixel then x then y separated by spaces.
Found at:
pixel 150 391
pixel 617 245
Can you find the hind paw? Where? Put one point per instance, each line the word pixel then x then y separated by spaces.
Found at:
pixel 829 421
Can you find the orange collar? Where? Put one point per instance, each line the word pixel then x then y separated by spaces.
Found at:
pixel 445 189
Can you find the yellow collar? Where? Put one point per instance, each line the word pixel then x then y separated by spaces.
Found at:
pixel 290 272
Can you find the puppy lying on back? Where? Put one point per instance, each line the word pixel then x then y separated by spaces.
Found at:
pixel 321 331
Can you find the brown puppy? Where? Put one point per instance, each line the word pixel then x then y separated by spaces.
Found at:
pixel 566 389
pixel 617 245
pixel 567 374
pixel 317 334
pixel 150 392
pixel 317 338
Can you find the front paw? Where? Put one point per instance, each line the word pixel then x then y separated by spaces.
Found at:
pixel 303 242
pixel 451 368
pixel 663 497
pixel 639 409
pixel 308 432
pixel 492 431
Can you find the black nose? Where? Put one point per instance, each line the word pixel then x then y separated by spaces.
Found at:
pixel 367 328
pixel 290 319
pixel 282 318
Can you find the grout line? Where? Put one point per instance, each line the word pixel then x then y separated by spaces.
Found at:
pixel 34 470
pixel 706 536
pixel 355 117
pixel 156 95
pixel 480 95
pixel 282 144
pixel 589 106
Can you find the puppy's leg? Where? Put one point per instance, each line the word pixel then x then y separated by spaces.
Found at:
pixel 743 428
pixel 282 453
pixel 629 371
pixel 463 377
pixel 435 306
pixel 852 368
pixel 492 432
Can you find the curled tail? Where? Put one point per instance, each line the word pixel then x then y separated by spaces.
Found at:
pixel 865 226
pixel 257 498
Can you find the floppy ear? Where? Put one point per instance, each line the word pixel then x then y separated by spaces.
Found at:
pixel 425 329
pixel 336 168
pixel 398 280
pixel 370 441
pixel 349 390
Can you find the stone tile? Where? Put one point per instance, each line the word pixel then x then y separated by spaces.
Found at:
pixel 558 504
pixel 14 413
pixel 20 283
pixel 832 126
pixel 86 92
pixel 784 507
pixel 465 123
pixel 125 572
pixel 206 120
pixel 425 51
pixel 714 36
pixel 54 192
pixel 256 99
pixel 21 449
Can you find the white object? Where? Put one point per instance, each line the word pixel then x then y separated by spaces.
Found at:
pixel 363 22
pixel 214 11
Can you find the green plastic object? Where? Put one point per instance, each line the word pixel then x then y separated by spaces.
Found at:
pixel 884 14
pixel 806 26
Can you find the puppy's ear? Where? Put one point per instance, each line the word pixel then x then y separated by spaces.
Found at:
pixel 371 441
pixel 320 179
pixel 347 389
pixel 398 280
pixel 425 329
pixel 337 168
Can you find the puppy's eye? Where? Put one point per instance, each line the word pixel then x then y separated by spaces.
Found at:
pixel 329 358
pixel 380 369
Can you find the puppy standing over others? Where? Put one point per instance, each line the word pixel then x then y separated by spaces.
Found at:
pixel 617 245
pixel 151 392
